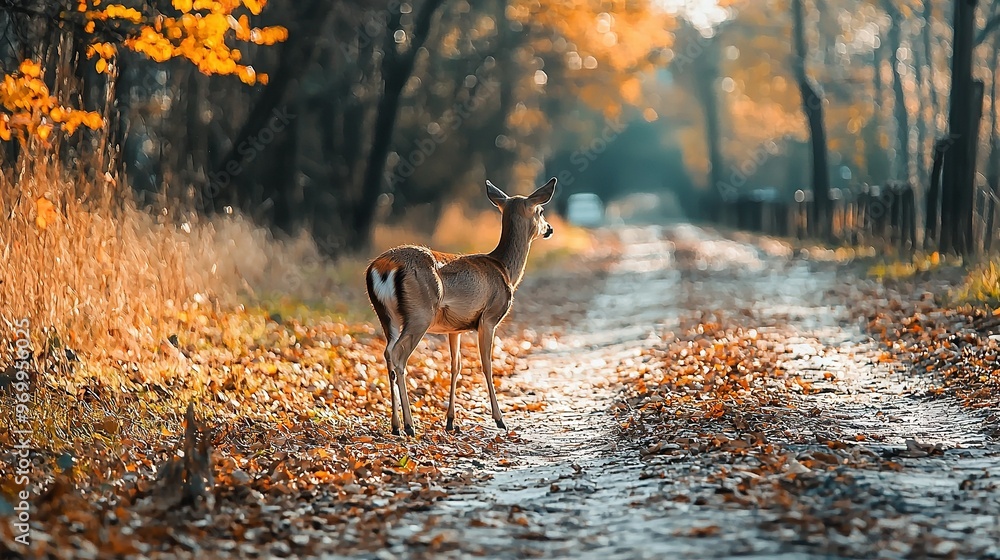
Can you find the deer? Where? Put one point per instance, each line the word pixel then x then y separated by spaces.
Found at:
pixel 415 290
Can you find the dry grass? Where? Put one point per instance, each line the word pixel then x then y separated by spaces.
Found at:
pixel 981 285
pixel 98 276
pixel 113 283
pixel 105 277
pixel 165 314
pixel 108 280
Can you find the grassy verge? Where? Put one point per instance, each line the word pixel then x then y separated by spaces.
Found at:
pixel 133 319
pixel 944 323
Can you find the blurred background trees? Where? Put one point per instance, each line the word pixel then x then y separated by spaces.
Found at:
pixel 818 117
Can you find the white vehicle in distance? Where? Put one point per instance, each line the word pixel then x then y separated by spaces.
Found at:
pixel 585 210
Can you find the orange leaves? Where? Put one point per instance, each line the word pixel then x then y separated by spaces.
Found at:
pixel 255 6
pixel 31 69
pixel 152 44
pixel 268 35
pixel 607 44
pixel 199 33
pixel 712 369
pixel 117 11
pixel 45 212
pixel 106 52
pixel 27 108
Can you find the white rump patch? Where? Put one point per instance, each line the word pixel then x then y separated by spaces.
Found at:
pixel 385 290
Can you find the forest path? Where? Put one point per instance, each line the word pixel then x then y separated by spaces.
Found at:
pixel 577 488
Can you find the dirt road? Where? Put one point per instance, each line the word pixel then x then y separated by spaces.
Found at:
pixel 580 487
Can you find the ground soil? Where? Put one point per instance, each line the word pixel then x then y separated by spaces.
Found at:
pixel 907 474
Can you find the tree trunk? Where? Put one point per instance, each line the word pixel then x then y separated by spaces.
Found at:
pixel 812 106
pixel 919 60
pixel 396 71
pixel 706 84
pixel 876 157
pixel 932 226
pixel 900 113
pixel 959 170
pixel 296 54
pixel 929 53
pixel 993 166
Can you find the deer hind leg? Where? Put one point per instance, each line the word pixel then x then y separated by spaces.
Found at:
pixel 454 340
pixel 391 336
pixel 410 336
pixel 486 332
pixel 391 332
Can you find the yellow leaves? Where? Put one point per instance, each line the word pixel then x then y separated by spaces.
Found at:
pixel 45 212
pixel 30 69
pixel 241 26
pixel 255 6
pixel 117 11
pixel 269 35
pixel 605 44
pixel 29 110
pixel 199 33
pixel 44 131
pixel 247 75
pixel 152 44
pixel 104 50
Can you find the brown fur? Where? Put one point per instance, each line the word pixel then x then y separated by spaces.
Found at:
pixel 444 293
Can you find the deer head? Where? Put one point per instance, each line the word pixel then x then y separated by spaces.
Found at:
pixel 522 215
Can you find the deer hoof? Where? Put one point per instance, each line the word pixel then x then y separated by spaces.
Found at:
pixel 395 430
pixel 409 431
pixel 501 425
pixel 450 426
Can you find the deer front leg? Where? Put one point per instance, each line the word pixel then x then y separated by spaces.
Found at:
pixel 486 332
pixel 454 345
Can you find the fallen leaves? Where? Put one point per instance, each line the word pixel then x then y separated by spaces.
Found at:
pixel 291 419
pixel 285 440
pixel 720 407
pixel 959 344
pixel 712 369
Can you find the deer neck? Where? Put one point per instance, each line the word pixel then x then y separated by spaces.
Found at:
pixel 512 251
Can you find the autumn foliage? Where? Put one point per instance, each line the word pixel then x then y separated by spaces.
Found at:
pixel 199 34
pixel 31 110
pixel 199 31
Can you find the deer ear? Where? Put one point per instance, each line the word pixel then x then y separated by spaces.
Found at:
pixel 544 193
pixel 497 196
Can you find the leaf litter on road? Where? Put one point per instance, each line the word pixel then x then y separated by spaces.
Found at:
pixel 254 434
